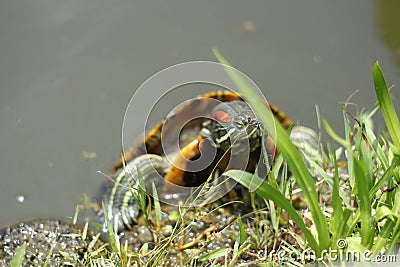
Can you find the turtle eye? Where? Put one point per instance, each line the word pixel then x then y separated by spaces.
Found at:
pixel 239 125
pixel 221 116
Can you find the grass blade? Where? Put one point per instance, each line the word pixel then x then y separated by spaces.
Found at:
pixel 113 239
pixel 337 216
pixel 19 256
pixel 242 231
pixel 396 229
pixel 332 134
pixel 388 112
pixel 214 254
pixel 292 156
pixel 364 202
pixel 267 191
pixel 157 207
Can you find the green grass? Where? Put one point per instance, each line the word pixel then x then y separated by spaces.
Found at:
pixel 295 162
pixel 367 178
pixel 19 256
pixel 360 169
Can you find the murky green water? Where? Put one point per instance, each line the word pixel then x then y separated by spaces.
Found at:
pixel 68 69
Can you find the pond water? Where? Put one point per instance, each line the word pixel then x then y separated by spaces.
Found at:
pixel 69 68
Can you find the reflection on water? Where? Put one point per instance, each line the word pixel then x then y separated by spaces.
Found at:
pixel 388 21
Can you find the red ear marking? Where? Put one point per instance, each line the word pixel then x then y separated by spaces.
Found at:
pixel 221 116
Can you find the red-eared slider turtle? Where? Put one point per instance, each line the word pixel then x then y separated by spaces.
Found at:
pixel 230 136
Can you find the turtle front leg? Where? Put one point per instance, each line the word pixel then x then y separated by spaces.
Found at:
pixel 307 142
pixel 122 192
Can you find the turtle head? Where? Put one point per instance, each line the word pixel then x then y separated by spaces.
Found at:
pixel 233 126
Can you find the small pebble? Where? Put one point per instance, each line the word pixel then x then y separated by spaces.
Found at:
pixel 248 26
pixel 20 198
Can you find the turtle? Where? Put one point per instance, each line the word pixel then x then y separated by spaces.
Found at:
pixel 229 127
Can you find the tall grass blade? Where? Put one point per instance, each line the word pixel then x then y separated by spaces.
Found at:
pixel 337 216
pixel 157 206
pixel 388 112
pixel 364 202
pixel 377 148
pixel 289 151
pixel 394 242
pixel 386 230
pixel 267 191
pixel 349 150
pixel 386 176
pixel 334 135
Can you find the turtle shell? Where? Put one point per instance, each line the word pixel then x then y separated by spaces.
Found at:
pixel 155 140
